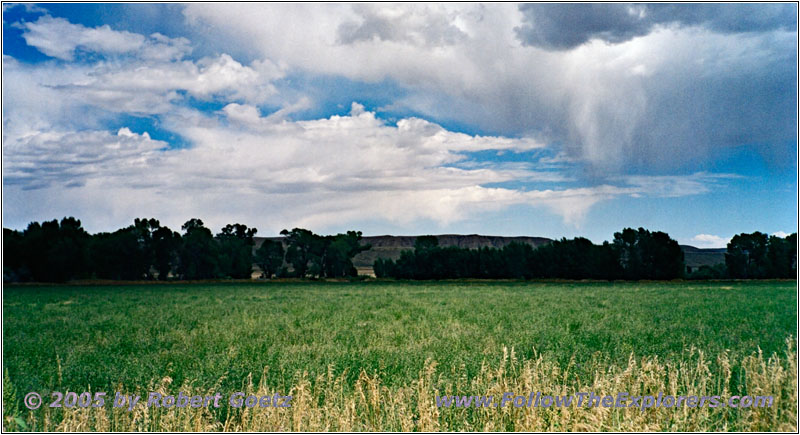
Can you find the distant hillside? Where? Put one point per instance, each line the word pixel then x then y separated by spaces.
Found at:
pixel 391 247
pixel 696 257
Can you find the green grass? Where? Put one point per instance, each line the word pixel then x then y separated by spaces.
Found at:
pixel 213 336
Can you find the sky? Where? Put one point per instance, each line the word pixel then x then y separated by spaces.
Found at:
pixel 552 120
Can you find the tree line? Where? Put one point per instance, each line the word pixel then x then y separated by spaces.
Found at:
pixel 757 256
pixel 632 255
pixel 56 251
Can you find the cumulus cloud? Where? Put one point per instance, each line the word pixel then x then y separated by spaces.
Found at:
pixel 151 88
pixel 695 81
pixel 69 158
pixel 566 26
pixel 151 76
pixel 57 37
pixel 357 152
pixel 645 101
pixel 319 172
pixel 417 25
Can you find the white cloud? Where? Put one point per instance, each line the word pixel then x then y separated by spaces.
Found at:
pixel 149 75
pixel 29 7
pixel 274 174
pixel 70 158
pixel 709 241
pixel 780 234
pixel 419 25
pixel 59 38
pixel 668 97
pixel 151 87
pixel 672 186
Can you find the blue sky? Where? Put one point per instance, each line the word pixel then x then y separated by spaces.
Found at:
pixel 555 120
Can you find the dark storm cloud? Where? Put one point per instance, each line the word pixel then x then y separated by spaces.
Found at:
pixel 566 26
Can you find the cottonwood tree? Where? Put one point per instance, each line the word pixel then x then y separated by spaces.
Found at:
pixel 302 246
pixel 269 257
pixel 756 255
pixel 166 245
pixel 648 255
pixel 339 250
pixel 119 255
pixel 198 253
pixel 236 251
pixel 318 256
pixel 56 252
pixel 747 255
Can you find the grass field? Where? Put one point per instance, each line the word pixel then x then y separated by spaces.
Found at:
pixel 372 356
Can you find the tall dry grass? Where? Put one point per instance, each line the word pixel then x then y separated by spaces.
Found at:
pixel 327 402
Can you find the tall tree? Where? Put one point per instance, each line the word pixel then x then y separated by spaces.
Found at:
pixel 426 243
pixel 269 257
pixel 119 255
pixel 318 256
pixel 339 253
pixel 626 243
pixel 14 265
pixel 517 260
pixel 236 251
pixel 198 253
pixel 747 256
pixel 782 256
pixel 144 229
pixel 646 255
pixel 56 252
pixel 166 245
pixel 423 265
pixel 303 251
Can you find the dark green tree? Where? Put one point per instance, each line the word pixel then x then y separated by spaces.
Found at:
pixel 269 257
pixel 426 243
pixel 747 256
pixel 56 252
pixel 199 252
pixel 303 251
pixel 323 257
pixel 492 263
pixel 384 268
pixel 166 245
pixel 144 229
pixel 781 256
pixel 235 243
pixel 646 255
pixel 628 248
pixel 516 260
pixel 119 255
pixel 339 252
pixel 424 266
pixel 717 271
pixel 134 252
pixel 791 241
pixel 14 266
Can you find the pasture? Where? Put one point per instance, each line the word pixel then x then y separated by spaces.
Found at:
pixel 373 355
